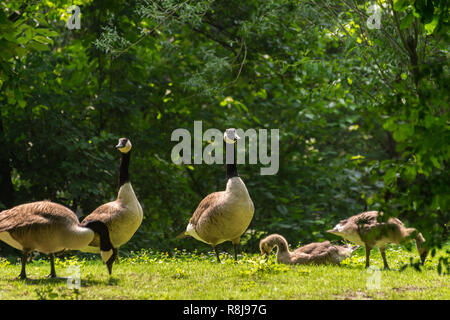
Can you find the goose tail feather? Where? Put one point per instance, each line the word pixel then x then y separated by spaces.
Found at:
pixel 182 235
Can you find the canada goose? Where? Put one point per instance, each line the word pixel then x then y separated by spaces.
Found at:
pixel 364 229
pixel 225 215
pixel 122 216
pixel 49 227
pixel 313 253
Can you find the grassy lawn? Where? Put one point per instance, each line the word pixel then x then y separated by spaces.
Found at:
pixel 183 275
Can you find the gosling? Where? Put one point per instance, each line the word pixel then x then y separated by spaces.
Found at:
pixel 318 253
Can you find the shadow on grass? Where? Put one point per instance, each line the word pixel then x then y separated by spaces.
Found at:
pixel 62 280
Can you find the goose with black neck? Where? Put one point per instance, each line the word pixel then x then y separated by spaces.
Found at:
pixel 224 215
pixel 124 215
pixel 49 227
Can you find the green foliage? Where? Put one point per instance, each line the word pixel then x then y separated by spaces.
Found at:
pixel 49 292
pixel 362 112
pixel 260 267
pixel 4 262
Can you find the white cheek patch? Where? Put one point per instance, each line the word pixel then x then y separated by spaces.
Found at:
pixel 126 148
pixel 227 140
pixel 106 255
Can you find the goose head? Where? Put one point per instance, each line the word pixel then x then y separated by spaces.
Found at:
pixel 230 136
pixel 106 255
pixel 124 145
pixel 108 258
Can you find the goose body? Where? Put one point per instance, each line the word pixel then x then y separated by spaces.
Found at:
pixel 225 215
pixel 365 229
pixel 313 253
pixel 222 216
pixel 122 216
pixel 48 227
pixel 43 226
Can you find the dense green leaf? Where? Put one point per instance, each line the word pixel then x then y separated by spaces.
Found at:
pixel 362 114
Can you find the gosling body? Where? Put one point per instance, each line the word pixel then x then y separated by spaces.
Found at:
pixel 317 253
pixel 365 229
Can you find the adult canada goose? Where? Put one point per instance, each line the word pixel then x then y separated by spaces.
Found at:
pixel 122 216
pixel 364 229
pixel 313 253
pixel 49 227
pixel 225 215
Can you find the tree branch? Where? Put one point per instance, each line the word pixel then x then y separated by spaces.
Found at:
pixel 195 185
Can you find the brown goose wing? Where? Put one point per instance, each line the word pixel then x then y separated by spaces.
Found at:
pixel 371 218
pixel 322 254
pixel 207 205
pixel 104 213
pixel 12 219
pixel 315 247
pixel 363 222
pixel 368 218
pixel 35 213
pixel 370 229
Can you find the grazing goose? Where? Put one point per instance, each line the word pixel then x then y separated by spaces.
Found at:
pixel 122 216
pixel 364 229
pixel 225 215
pixel 49 227
pixel 313 253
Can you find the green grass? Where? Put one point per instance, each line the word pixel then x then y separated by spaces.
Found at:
pixel 183 275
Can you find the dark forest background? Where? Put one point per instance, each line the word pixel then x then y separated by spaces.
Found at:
pixel 362 111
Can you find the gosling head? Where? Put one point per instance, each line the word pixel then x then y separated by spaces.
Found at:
pixel 265 248
pixel 230 136
pixel 339 229
pixel 350 249
pixel 423 250
pixel 267 244
pixel 423 255
pixel 124 145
